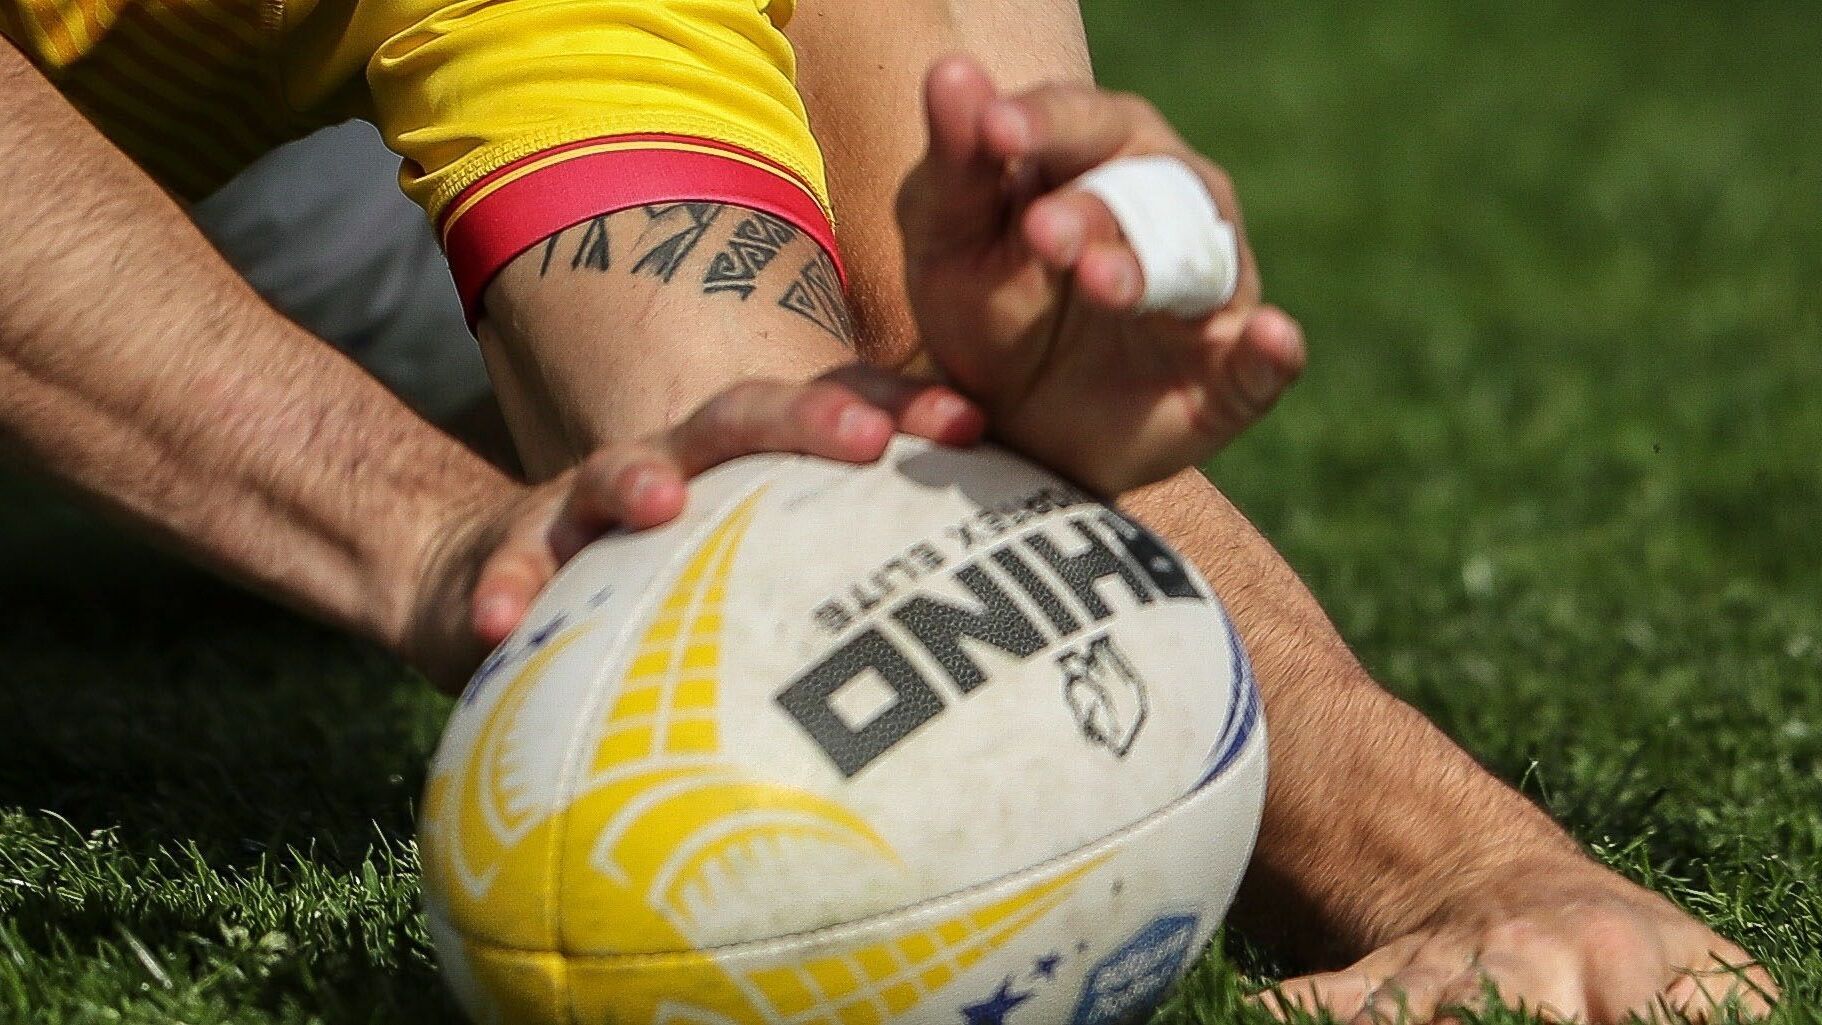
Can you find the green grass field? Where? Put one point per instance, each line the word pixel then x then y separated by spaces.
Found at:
pixel 1555 471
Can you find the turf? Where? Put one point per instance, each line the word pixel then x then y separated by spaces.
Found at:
pixel 1554 471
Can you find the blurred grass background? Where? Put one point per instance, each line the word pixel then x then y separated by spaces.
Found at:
pixel 1555 471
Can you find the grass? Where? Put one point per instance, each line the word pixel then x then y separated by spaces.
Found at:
pixel 1554 472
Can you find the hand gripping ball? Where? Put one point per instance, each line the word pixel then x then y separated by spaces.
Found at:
pixel 937 739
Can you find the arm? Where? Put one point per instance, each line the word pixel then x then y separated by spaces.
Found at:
pixel 1422 864
pixel 614 326
pixel 1314 689
pixel 140 371
pixel 138 368
pixel 681 139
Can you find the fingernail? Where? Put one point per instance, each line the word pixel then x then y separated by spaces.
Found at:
pixel 947 406
pixel 1013 127
pixel 1126 285
pixel 639 484
pixel 854 423
pixel 493 613
pixel 1067 228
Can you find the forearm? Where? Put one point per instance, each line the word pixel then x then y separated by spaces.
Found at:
pixel 138 369
pixel 1361 784
pixel 1362 787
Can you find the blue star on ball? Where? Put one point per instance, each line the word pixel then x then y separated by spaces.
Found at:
pixel 994 1009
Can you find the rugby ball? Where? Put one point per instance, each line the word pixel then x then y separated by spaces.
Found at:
pixel 936 739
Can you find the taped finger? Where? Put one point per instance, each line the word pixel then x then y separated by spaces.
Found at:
pixel 1188 254
pixel 1061 225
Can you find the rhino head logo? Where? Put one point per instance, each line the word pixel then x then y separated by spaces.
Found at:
pixel 1105 693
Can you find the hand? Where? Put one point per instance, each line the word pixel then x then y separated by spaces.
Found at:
pixel 497 555
pixel 1025 291
pixel 1568 940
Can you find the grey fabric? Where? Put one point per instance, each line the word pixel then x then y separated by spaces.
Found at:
pixel 321 229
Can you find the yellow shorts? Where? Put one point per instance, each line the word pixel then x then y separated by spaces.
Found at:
pixel 514 120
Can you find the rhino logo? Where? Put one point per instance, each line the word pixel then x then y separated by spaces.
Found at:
pixel 1105 693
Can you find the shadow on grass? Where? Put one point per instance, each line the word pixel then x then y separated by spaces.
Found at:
pixel 192 776
pixel 143 695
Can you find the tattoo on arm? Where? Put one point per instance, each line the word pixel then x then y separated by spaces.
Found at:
pixel 592 252
pixel 815 295
pixel 678 227
pixel 756 240
pixel 670 232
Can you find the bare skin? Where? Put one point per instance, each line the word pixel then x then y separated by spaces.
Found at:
pixel 1073 364
pixel 1025 292
pixel 185 406
pixel 1423 875
pixel 191 410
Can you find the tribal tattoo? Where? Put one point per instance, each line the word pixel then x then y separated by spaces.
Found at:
pixel 756 240
pixel 679 226
pixel 592 251
pixel 670 233
pixel 816 296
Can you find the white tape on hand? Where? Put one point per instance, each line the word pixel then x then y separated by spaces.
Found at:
pixel 1189 255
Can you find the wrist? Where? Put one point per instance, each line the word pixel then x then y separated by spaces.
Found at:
pixel 1407 810
pixel 422 593
pixel 1500 887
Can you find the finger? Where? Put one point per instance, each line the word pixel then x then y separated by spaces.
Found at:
pixel 850 414
pixel 1064 129
pixel 943 416
pixel 821 418
pixel 1543 982
pixel 1108 277
pixel 635 485
pixel 956 92
pixel 508 581
pixel 1177 213
pixel 643 484
pixel 1701 996
pixel 1410 995
pixel 1267 358
pixel 1061 225
pixel 924 408
pixel 958 184
pixel 1243 378
pixel 1343 993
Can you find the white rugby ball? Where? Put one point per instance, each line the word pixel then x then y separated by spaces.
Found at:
pixel 936 739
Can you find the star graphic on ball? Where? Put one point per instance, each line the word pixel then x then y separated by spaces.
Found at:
pixel 994 1009
pixel 1046 966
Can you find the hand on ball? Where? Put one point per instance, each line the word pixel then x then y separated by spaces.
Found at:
pixel 496 556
